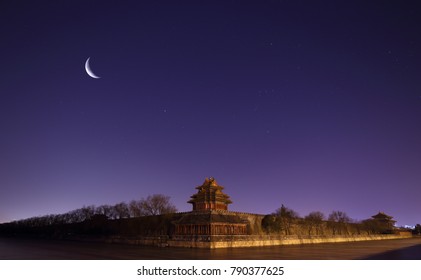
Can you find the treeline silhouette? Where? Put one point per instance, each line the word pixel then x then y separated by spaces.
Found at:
pixel 155 215
pixel 286 221
pixel 148 216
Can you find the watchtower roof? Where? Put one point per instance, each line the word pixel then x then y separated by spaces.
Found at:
pixel 210 196
pixel 382 216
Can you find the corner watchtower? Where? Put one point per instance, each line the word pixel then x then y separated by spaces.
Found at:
pixel 210 197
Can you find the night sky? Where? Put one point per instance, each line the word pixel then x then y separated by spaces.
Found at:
pixel 312 104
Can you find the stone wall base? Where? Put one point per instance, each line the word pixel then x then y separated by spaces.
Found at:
pixel 255 242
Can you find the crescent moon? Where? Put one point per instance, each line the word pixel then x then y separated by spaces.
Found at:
pixel 89 71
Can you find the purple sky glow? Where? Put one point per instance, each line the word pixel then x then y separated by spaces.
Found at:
pixel 312 104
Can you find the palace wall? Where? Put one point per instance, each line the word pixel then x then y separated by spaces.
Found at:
pixel 212 242
pixel 295 240
pixel 254 221
pixel 211 225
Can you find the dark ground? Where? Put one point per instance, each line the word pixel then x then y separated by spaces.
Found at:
pixel 26 249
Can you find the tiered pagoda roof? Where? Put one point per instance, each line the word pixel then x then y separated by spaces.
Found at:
pixel 385 221
pixel 210 197
pixel 382 216
pixel 210 216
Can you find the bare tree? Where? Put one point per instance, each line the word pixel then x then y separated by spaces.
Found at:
pixel 121 210
pixel 286 218
pixel 76 216
pixel 156 204
pixel 135 209
pixel 314 221
pixel 338 221
pixel 87 212
pixel 105 210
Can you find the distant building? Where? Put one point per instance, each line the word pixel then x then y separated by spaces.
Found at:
pixel 385 222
